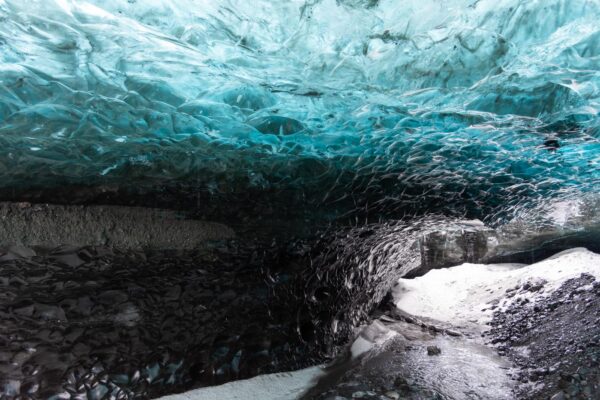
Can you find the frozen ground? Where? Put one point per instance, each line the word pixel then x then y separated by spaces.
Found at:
pixel 280 386
pixel 466 295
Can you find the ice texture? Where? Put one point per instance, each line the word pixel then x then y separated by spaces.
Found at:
pixel 369 107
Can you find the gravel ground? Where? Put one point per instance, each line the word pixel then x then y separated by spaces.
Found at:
pixel 554 343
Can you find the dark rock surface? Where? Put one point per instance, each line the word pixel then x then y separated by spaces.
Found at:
pixel 107 324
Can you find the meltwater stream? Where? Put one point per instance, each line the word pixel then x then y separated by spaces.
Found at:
pixel 346 142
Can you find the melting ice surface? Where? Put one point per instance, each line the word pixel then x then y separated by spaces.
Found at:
pixel 356 106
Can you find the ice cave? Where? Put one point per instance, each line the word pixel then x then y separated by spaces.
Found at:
pixel 300 199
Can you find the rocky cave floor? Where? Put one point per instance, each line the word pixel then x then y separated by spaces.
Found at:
pixel 555 343
pixel 550 349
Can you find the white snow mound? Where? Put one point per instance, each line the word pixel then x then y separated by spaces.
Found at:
pixel 280 386
pixel 462 295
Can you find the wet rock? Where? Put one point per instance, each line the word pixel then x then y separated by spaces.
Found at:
pixel 451 332
pixel 433 351
pixel 401 382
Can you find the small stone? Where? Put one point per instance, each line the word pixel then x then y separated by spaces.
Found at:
pixel 433 351
pixel 452 333
pixel 392 395
pixel 400 382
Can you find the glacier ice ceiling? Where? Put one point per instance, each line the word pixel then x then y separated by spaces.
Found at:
pixel 326 108
pixel 309 152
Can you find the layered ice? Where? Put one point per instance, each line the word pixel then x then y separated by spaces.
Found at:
pixel 358 107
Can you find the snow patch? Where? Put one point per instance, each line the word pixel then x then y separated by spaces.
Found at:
pixel 279 386
pixel 464 295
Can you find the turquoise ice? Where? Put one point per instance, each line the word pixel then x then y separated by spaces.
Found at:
pixel 352 107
